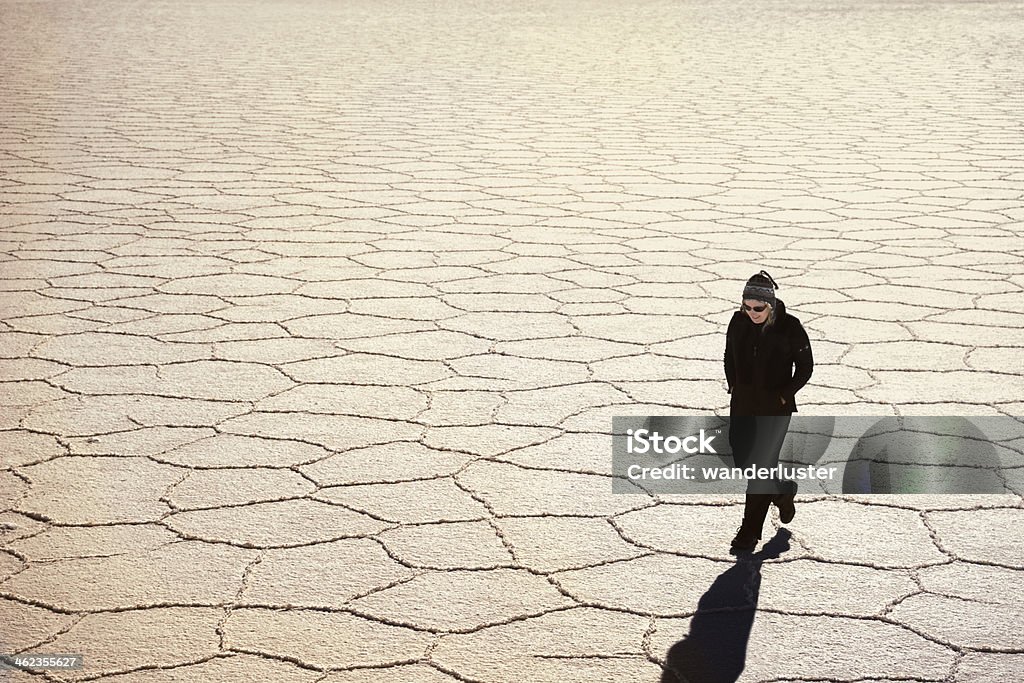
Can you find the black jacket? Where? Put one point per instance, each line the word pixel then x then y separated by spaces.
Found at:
pixel 760 361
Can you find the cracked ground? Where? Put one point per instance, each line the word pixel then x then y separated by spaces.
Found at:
pixel 314 317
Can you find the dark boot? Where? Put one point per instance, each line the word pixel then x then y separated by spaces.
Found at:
pixel 755 509
pixel 745 541
pixel 784 501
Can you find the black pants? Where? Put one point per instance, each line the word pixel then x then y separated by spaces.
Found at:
pixel 757 440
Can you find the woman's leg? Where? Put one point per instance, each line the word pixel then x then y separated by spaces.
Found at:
pixel 772 432
pixel 759 440
pixel 743 439
pixel 755 510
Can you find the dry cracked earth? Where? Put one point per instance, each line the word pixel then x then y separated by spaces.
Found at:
pixel 315 315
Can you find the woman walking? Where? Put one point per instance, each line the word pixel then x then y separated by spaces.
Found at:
pixel 767 361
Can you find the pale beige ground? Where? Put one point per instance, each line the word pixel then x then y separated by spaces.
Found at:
pixel 314 316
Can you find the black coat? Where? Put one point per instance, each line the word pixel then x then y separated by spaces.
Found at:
pixel 760 361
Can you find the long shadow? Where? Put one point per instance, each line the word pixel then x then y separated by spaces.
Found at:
pixel 715 649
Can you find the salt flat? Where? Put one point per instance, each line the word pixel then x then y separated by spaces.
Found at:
pixel 314 316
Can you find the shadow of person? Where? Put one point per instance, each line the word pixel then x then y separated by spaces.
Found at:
pixel 715 649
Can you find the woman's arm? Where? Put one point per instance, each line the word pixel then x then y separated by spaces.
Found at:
pixel 803 359
pixel 730 364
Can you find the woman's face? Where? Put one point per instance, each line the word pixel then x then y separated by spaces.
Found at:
pixel 750 306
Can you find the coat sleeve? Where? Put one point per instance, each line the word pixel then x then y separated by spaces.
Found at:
pixel 730 364
pixel 803 359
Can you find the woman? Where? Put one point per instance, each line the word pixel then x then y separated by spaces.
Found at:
pixel 763 346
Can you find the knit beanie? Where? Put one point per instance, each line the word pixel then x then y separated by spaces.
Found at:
pixel 761 287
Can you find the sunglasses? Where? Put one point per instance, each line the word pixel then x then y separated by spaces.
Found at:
pixel 755 309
